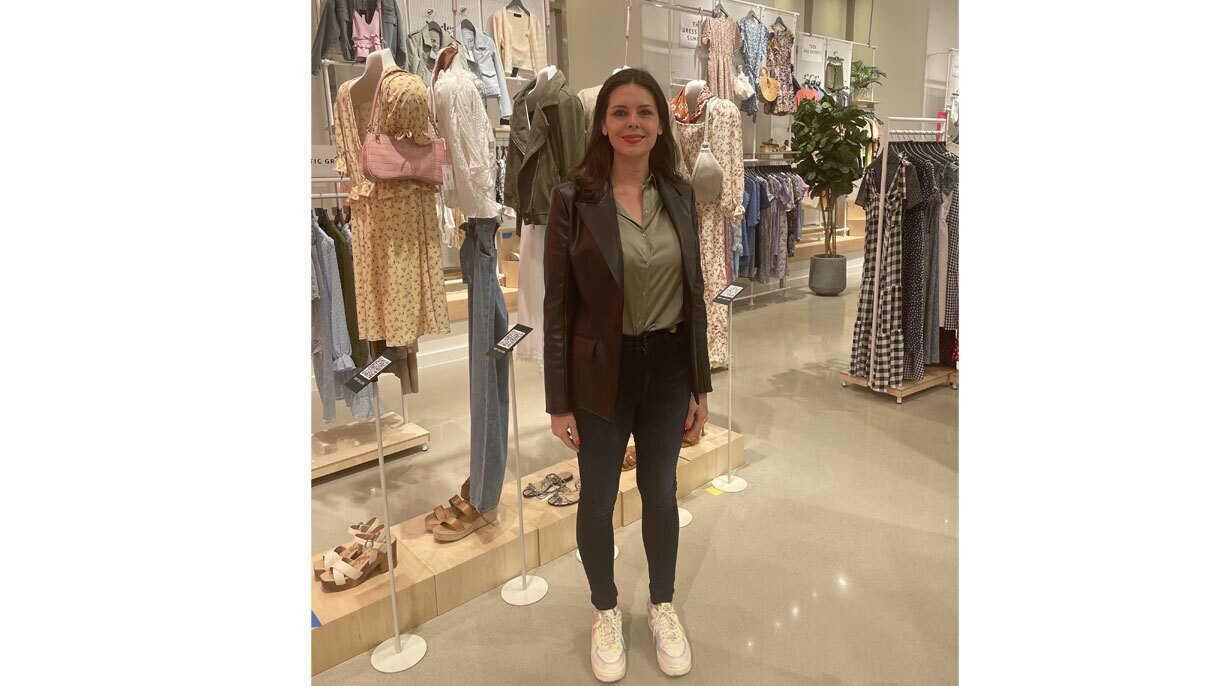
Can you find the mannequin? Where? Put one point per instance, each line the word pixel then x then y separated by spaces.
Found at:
pixel 544 75
pixel 365 86
pixel 462 121
pixel 693 90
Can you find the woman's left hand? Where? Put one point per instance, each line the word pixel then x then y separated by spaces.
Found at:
pixel 696 417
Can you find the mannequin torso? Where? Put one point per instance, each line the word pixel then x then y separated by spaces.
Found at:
pixel 365 86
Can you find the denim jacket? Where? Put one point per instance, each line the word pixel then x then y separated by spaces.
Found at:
pixel 335 24
pixel 484 61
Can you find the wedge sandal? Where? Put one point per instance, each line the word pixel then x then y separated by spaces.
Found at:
pixel 356 563
pixel 451 528
pixel 430 520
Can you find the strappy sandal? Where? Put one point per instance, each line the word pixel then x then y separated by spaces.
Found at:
pixel 451 528
pixel 355 564
pixel 322 564
pixel 568 495
pixel 629 459
pixel 430 520
pixel 549 484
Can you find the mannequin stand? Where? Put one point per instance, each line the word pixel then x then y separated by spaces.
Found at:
pixel 684 517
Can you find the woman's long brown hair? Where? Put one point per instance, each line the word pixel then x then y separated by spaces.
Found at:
pixel 591 174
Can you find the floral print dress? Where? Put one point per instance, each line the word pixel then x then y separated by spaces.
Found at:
pixel 724 133
pixel 396 242
pixel 779 67
pixel 723 40
pixel 754 38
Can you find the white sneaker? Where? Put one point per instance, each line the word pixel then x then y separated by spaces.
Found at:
pixel 673 650
pixel 609 653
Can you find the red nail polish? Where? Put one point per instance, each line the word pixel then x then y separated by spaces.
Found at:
pixel 688 425
pixel 578 441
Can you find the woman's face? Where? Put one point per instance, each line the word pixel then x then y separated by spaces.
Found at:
pixel 632 123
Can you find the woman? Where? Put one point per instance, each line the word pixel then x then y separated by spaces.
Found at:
pixel 625 347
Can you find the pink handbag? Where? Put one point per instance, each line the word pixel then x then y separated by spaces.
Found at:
pixel 386 158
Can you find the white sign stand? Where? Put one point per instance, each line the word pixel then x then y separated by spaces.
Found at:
pixel 528 588
pixel 730 483
pixel 401 652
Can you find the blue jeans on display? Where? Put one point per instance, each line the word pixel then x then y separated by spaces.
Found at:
pixel 653 397
pixel 487 324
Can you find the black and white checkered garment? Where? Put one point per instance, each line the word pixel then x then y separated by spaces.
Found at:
pixel 881 364
pixel 951 290
pixel 915 246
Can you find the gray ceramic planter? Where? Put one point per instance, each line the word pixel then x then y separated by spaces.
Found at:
pixel 827 275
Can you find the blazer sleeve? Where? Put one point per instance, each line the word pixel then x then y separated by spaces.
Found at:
pixel 558 305
pixel 703 377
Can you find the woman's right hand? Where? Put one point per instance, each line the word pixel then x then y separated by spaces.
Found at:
pixel 564 428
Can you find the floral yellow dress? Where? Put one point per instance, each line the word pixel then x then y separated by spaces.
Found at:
pixel 396 241
pixel 724 132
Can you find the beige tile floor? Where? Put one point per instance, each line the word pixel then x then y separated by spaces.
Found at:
pixel 837 566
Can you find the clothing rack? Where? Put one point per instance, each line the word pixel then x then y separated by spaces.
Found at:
pixel 947 376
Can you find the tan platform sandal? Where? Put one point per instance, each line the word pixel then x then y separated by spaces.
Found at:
pixel 449 528
pixel 629 459
pixel 430 520
pixel 355 564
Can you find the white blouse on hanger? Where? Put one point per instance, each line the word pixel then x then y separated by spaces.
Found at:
pixel 463 124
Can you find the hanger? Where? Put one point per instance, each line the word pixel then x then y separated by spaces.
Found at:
pixel 520 6
pixel 719 11
pixel 779 20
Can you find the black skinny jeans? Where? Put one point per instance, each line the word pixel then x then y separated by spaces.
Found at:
pixel 653 398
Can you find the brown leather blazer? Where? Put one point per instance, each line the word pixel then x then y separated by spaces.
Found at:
pixel 583 304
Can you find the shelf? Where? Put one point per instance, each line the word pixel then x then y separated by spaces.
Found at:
pixel 355 443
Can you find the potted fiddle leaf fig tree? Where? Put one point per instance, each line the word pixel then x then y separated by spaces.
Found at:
pixel 828 139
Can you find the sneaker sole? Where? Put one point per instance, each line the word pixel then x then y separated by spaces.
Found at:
pixel 609 677
pixel 674 671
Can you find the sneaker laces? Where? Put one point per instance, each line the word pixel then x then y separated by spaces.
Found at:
pixel 666 624
pixel 607 629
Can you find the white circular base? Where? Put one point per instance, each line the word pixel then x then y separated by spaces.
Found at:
pixel 513 594
pixel 736 485
pixel 388 659
pixel 684 517
pixel 578 557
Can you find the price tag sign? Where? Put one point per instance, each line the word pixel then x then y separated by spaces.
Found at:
pixel 366 375
pixel 510 341
pixel 728 295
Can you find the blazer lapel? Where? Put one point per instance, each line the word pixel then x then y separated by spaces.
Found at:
pixel 601 219
pixel 684 224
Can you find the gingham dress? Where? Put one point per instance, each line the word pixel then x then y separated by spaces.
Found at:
pixel 881 364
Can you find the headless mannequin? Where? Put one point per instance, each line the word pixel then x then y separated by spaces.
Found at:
pixel 363 89
pixel 544 75
pixel 693 90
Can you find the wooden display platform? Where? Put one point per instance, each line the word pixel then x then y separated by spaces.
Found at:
pixel 697 465
pixel 358 619
pixel 933 376
pixel 434 578
pixel 476 564
pixel 556 525
pixel 355 443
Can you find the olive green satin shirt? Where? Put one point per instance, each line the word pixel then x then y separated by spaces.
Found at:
pixel 652 267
